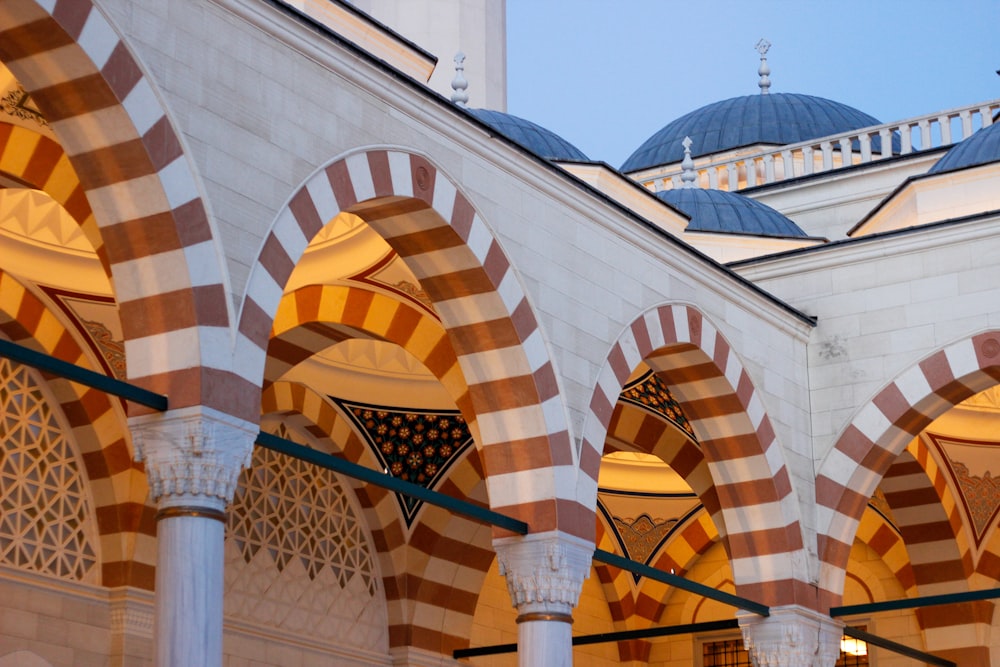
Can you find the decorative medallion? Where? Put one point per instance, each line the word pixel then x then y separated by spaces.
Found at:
pixel 651 393
pixel 414 445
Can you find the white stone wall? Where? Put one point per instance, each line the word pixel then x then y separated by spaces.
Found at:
pixel 262 108
pixel 892 304
pixel 63 623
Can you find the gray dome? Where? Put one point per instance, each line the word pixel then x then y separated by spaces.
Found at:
pixel 536 138
pixel 981 148
pixel 775 118
pixel 721 211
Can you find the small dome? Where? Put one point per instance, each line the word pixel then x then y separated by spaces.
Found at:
pixel 775 118
pixel 981 148
pixel 535 138
pixel 721 211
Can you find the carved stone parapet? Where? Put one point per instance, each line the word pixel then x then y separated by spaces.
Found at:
pixel 192 454
pixel 791 636
pixel 544 573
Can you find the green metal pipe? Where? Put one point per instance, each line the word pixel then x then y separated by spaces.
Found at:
pixel 680 582
pixel 50 364
pixel 463 507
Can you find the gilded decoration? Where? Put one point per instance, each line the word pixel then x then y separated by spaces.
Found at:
pixel 642 535
pixel 970 463
pixel 643 522
pixel 17 103
pixel 112 350
pixel 651 393
pixel 414 445
pixel 982 496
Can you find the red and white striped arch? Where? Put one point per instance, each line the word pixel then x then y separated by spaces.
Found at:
pixel 125 521
pixel 156 234
pixel 40 163
pixel 758 506
pixel 314 317
pixel 880 431
pixel 431 605
pixel 435 229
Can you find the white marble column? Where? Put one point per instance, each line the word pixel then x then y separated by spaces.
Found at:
pixel 193 459
pixel 791 636
pixel 545 574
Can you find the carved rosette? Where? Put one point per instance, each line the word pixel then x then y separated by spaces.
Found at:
pixel 791 636
pixel 544 573
pixel 192 455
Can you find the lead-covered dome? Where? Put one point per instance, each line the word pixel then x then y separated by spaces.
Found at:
pixel 532 136
pixel 773 118
pixel 728 212
pixel 982 147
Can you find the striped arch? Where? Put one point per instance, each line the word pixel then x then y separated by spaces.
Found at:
pixel 125 522
pixel 880 431
pixel 884 540
pixel 639 607
pixel 432 575
pixel 156 234
pixel 431 225
pixel 40 163
pixel 929 519
pixel 758 506
pixel 312 318
pixel 634 429
pixel 941 557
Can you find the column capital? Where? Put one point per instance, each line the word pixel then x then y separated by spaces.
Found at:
pixel 193 456
pixel 791 636
pixel 544 573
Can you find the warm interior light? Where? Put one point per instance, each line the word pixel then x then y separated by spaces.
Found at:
pixel 852 646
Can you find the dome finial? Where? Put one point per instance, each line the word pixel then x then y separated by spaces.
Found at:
pixel 459 84
pixel 765 82
pixel 688 177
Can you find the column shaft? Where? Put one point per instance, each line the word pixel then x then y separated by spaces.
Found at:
pixel 189 591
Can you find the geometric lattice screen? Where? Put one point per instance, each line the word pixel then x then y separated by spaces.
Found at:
pixel 44 510
pixel 297 555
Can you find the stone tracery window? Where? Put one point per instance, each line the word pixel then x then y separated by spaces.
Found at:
pixel 45 516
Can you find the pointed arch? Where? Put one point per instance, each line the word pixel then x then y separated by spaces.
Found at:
pixel 156 234
pixel 430 606
pixel 759 511
pixel 125 523
pixel 422 214
pixel 880 431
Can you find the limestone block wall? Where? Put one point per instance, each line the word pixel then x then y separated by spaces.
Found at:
pixel 897 301
pixel 68 624
pixel 262 101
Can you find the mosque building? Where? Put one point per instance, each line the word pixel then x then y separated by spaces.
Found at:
pixel 312 354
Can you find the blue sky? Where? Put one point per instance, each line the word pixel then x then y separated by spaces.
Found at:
pixel 606 74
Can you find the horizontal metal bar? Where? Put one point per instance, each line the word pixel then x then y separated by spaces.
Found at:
pixel 494 649
pixel 914 603
pixel 647 633
pixel 680 582
pixel 89 378
pixel 890 645
pixel 395 484
pixel 606 637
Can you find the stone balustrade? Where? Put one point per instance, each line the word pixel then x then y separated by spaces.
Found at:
pixel 746 168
